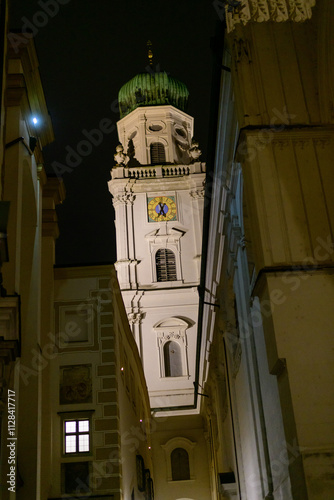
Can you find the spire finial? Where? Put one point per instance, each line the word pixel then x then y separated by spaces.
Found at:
pixel 150 53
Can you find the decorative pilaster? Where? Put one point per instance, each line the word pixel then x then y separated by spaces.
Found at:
pixel 123 200
pixel 284 181
pixel 135 320
pixel 125 197
pixel 197 193
pixel 53 190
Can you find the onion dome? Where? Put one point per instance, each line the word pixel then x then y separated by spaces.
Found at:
pixel 152 89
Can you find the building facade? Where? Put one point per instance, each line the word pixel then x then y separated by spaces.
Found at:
pixel 269 267
pixel 69 364
pixel 158 193
pixel 203 369
pixel 97 382
pixel 28 232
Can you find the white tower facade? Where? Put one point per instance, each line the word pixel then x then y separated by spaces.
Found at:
pixel 158 196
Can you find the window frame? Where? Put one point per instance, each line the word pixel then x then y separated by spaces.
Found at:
pixel 187 463
pixel 76 416
pixel 168 366
pixel 169 447
pixel 76 434
pixel 173 329
pixel 158 239
pixel 168 253
pixel 155 247
pixel 140 472
pixel 160 147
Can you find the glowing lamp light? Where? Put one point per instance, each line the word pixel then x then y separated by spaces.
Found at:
pixel 140 420
pixel 122 369
pixel 149 447
pixel 34 120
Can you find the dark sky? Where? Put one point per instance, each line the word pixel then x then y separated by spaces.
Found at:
pixel 87 51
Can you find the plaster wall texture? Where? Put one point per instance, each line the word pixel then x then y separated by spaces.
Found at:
pixel 25 311
pixel 167 120
pixel 303 320
pixel 157 306
pixel 148 301
pixel 119 397
pixel 284 99
pixel 75 294
pixel 135 426
pixel 191 428
pixel 22 276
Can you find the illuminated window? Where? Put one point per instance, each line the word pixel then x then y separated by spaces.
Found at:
pixel 77 436
pixel 173 359
pixel 165 264
pixel 180 464
pixel 157 153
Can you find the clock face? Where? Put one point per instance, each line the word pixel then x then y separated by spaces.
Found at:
pixel 161 208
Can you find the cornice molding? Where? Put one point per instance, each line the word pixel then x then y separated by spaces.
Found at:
pixel 54 188
pixel 269 10
pixel 33 87
pixel 197 194
pixel 158 236
pixel 50 223
pixel 41 174
pixel 125 198
pixel 103 270
pixel 136 317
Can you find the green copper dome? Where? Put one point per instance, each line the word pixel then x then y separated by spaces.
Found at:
pixel 152 89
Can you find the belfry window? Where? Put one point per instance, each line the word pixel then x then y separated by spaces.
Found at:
pixel 165 265
pixel 180 464
pixel 157 153
pixel 173 359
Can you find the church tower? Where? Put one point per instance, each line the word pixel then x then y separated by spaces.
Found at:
pixel 157 186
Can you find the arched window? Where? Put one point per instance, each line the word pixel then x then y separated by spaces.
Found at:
pixel 165 265
pixel 180 464
pixel 173 359
pixel 172 345
pixel 157 153
pixel 179 453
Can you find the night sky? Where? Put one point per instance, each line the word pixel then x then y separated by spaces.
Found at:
pixel 87 51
